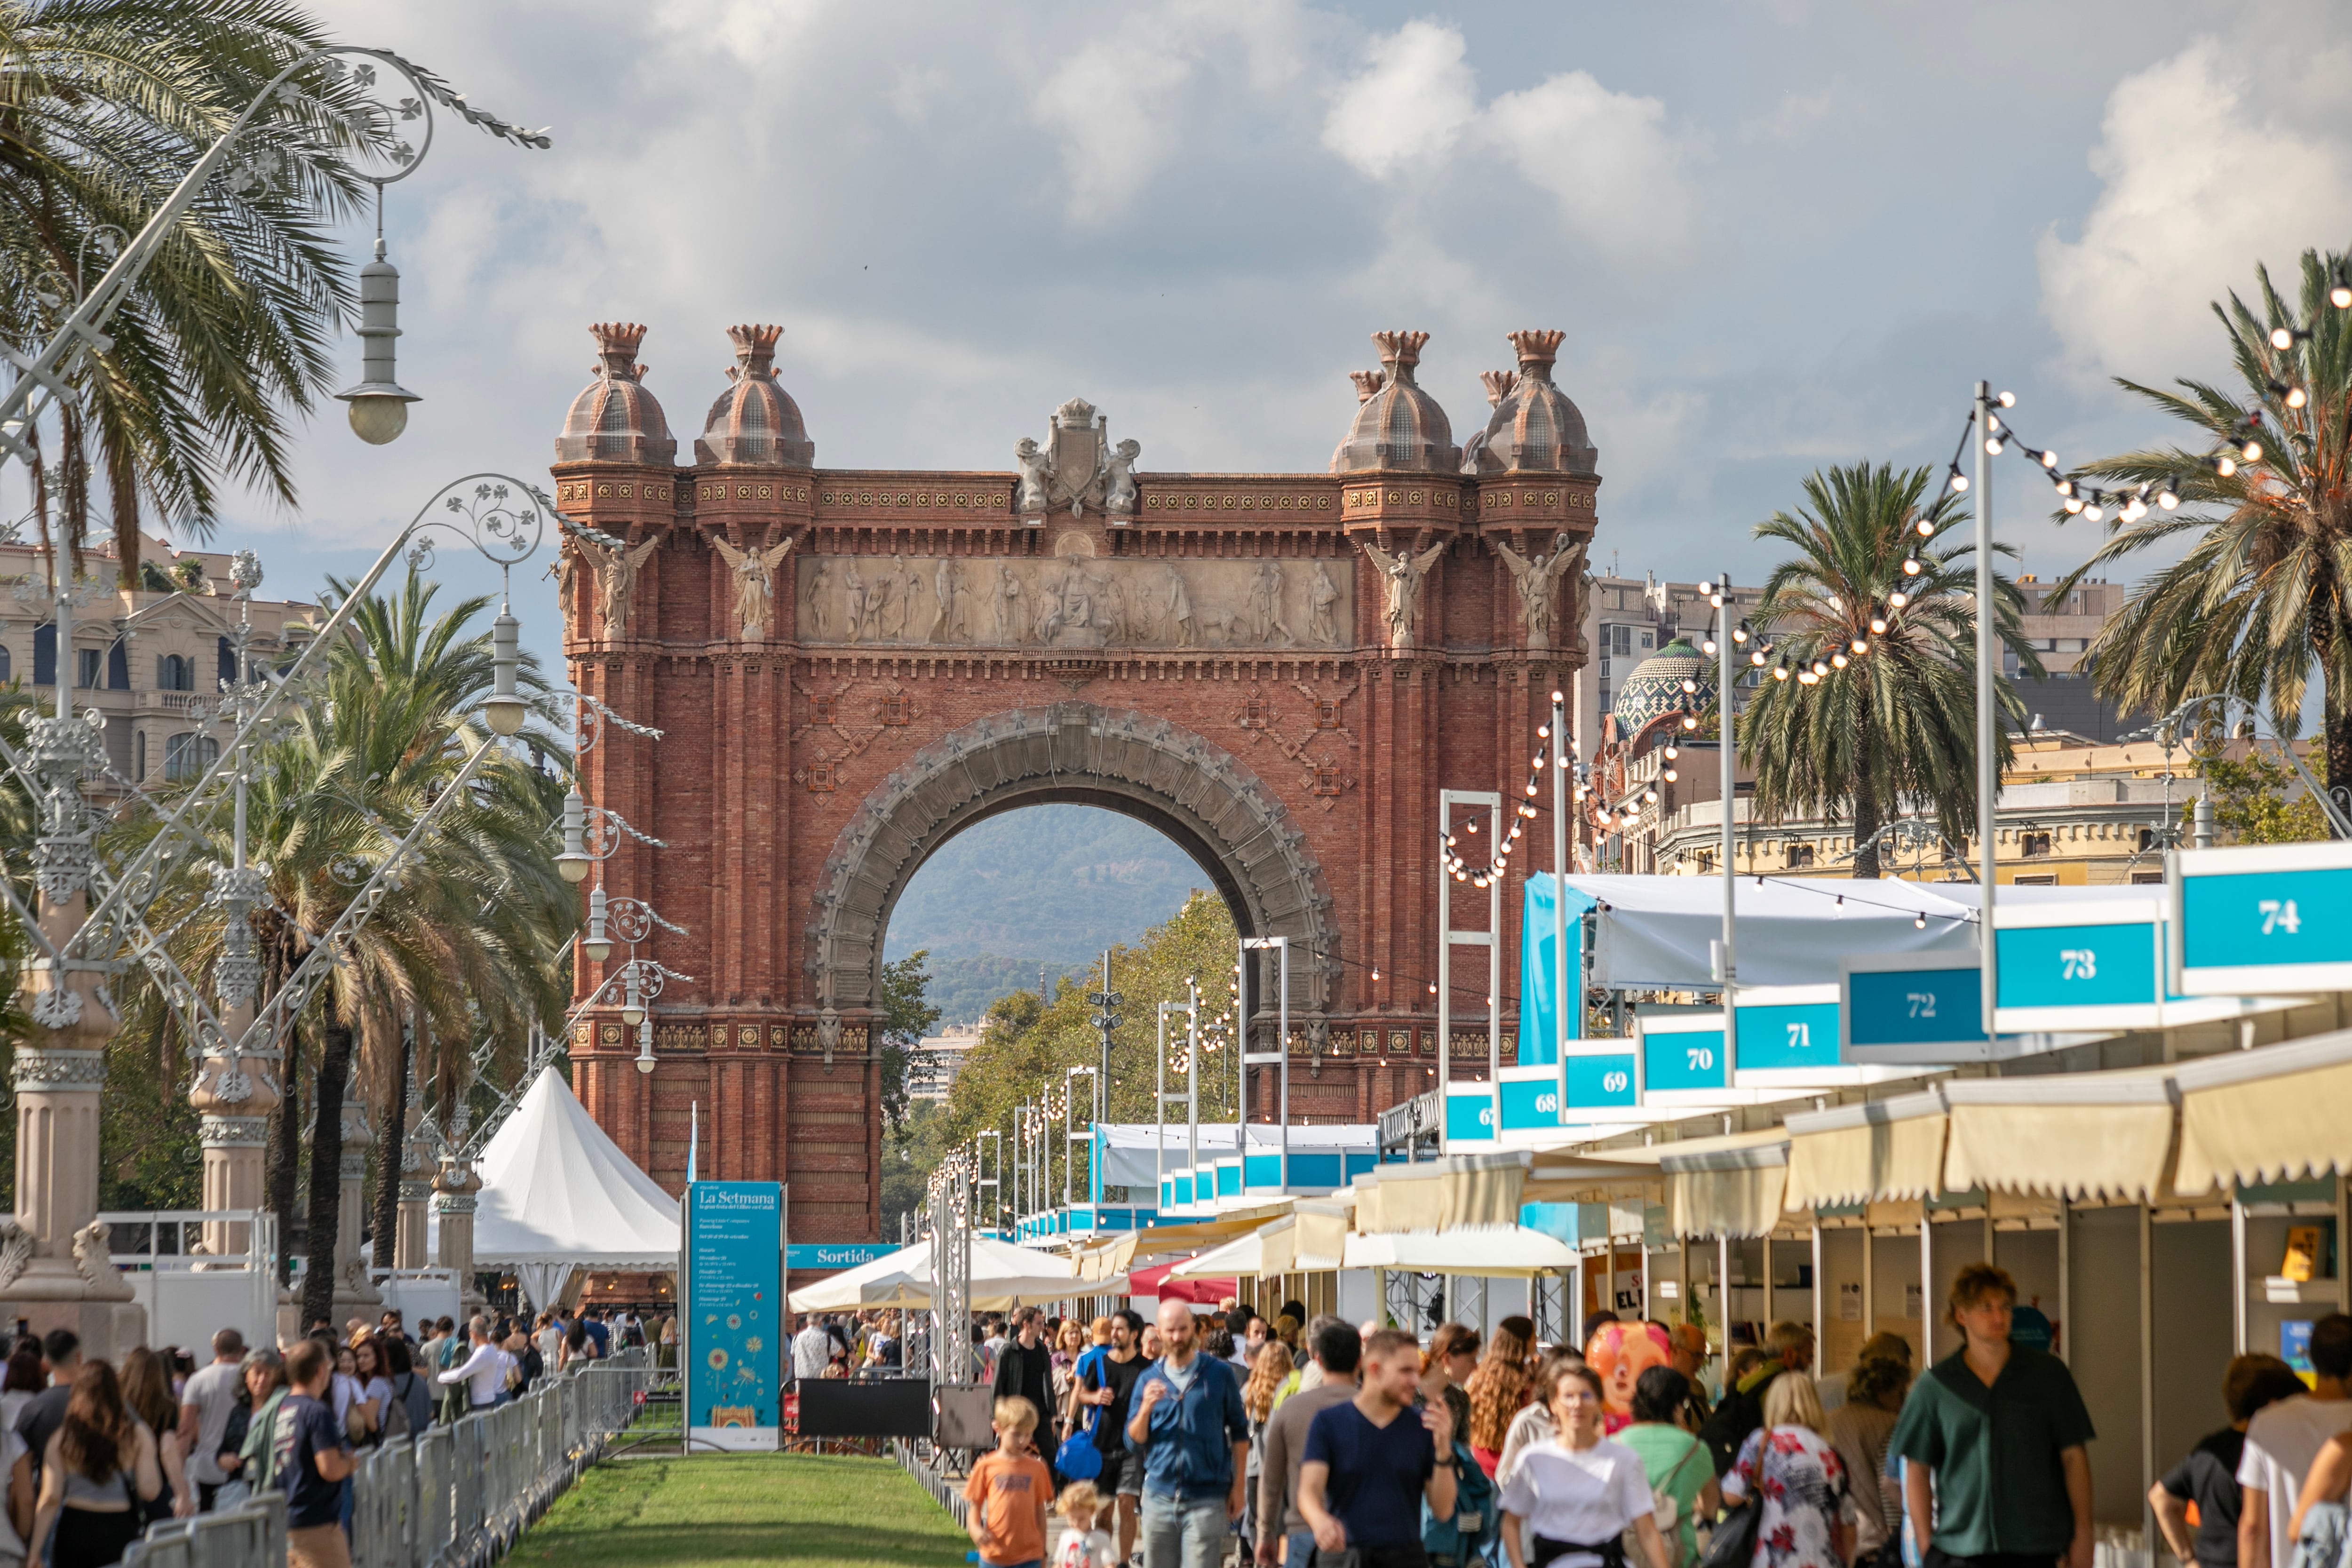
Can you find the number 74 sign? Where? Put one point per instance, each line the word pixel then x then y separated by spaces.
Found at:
pixel 2261 919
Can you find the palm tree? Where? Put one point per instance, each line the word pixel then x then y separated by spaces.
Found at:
pixel 226 341
pixel 1872 704
pixel 472 937
pixel 2262 597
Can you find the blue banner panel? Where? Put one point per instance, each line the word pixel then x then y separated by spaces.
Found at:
pixel 1539 1012
pixel 1679 1060
pixel 1530 1103
pixel 836 1254
pixel 1469 1112
pixel 2046 970
pixel 735 1315
pixel 1895 1014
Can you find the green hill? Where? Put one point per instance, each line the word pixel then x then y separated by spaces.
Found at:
pixel 1051 885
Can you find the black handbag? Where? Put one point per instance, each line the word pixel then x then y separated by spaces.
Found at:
pixel 1733 1544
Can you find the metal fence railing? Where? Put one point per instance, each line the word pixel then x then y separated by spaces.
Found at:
pixel 451 1497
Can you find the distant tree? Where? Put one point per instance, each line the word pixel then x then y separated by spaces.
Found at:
pixel 2259 800
pixel 907 1015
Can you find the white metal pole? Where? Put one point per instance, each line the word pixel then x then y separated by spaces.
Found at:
pixel 1561 1036
pixel 1192 1076
pixel 1444 970
pixel 1988 718
pixel 1495 986
pixel 1282 1109
pixel 1724 666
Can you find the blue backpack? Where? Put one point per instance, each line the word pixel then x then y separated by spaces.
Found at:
pixel 1456 1542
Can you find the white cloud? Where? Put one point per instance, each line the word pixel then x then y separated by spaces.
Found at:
pixel 2200 185
pixel 1607 158
pixel 1411 101
pixel 1113 100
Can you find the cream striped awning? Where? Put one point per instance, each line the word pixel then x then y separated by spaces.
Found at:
pixel 2070 1135
pixel 2278 1114
pixel 1875 1152
pixel 1728 1186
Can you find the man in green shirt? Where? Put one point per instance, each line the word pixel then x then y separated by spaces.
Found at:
pixel 1995 1435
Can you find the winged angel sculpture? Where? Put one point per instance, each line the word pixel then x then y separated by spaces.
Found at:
pixel 616 565
pixel 1536 577
pixel 755 583
pixel 1402 575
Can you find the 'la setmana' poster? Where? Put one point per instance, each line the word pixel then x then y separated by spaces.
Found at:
pixel 735 1313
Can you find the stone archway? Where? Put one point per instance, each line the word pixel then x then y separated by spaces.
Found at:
pixel 1212 806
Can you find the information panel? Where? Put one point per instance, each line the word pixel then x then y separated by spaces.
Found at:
pixel 2261 919
pixel 735 1317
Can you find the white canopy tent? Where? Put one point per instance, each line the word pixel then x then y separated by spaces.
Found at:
pixel 1655 932
pixel 1493 1251
pixel 1003 1276
pixel 558 1196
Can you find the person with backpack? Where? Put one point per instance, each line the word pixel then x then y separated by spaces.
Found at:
pixel 1570 1500
pixel 1683 1487
pixel 409 1411
pixel 1741 1411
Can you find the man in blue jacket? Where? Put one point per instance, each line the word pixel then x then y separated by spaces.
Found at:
pixel 1192 1435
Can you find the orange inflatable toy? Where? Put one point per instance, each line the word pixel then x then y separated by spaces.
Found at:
pixel 1620 1353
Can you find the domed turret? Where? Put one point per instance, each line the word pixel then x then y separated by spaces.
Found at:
pixel 616 420
pixel 754 421
pixel 1655 688
pixel 1534 428
pixel 1398 425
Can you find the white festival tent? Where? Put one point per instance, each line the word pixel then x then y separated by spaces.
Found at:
pixel 1003 1276
pixel 557 1195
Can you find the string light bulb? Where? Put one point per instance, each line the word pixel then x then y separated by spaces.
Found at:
pixel 1993 445
pixel 1779 672
pixel 1911 567
pixel 2282 338
pixel 2049 458
pixel 2007 400
pixel 1898 598
pixel 1838 660
pixel 1927 529
pixel 1877 625
pixel 1960 480
pixel 2251 451
pixel 2341 295
pixel 1861 645
pixel 2224 465
pixel 2169 496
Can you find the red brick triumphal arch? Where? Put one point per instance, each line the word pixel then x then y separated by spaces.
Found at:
pixel 1277 670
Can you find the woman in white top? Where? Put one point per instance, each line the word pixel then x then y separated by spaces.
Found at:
pixel 1575 1495
pixel 353 1407
pixel 375 1383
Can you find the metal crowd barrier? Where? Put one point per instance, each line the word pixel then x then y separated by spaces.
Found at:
pixel 451 1497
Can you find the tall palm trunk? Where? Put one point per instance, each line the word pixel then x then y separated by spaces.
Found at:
pixel 326 1173
pixel 1866 814
pixel 286 1154
pixel 392 1150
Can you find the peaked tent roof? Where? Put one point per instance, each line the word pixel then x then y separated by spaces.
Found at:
pixel 555 1189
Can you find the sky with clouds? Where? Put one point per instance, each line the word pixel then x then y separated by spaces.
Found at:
pixel 1778 233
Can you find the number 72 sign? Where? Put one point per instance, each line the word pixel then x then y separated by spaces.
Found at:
pixel 2261 920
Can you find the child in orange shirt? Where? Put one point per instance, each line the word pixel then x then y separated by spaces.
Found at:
pixel 1008 1493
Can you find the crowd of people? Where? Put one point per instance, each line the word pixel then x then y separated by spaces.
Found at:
pixel 91 1452
pixel 1311 1440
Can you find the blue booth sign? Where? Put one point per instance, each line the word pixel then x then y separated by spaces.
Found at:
pixel 1786 1029
pixel 835 1254
pixel 1530 1098
pixel 2094 964
pixel 1913 1009
pixel 735 1319
pixel 1604 1081
pixel 1469 1113
pixel 2261 919
pixel 1683 1053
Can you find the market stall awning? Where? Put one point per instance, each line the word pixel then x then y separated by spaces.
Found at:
pixel 2070 1135
pixel 1490 1251
pixel 1003 1277
pixel 1875 1152
pixel 1160 1280
pixel 2277 1113
pixel 1439 1195
pixel 1655 932
pixel 1574 1173
pixel 1725 1186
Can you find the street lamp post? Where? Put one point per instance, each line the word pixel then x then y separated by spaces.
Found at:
pixel 1988 717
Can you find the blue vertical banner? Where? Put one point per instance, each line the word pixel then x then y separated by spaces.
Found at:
pixel 735 1317
pixel 1538 1009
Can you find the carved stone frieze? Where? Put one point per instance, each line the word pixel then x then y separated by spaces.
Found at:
pixel 1073 601
pixel 58 1070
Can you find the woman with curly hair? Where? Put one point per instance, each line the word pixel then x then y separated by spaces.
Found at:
pixel 1268 1371
pixel 1497 1391
pixel 99 1468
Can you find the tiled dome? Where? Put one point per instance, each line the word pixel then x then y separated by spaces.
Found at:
pixel 1398 425
pixel 616 420
pixel 755 421
pixel 1655 688
pixel 1534 428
